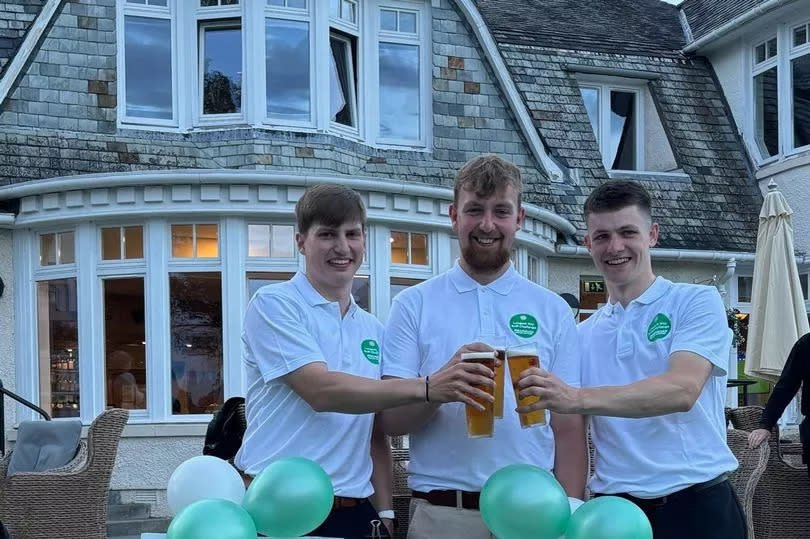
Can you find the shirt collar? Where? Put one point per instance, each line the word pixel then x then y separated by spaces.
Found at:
pixel 464 283
pixel 313 297
pixel 657 289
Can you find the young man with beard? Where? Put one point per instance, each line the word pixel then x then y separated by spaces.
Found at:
pixel 310 352
pixel 653 380
pixel 481 295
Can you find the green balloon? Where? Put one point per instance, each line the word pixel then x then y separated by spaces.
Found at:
pixel 609 517
pixel 522 501
pixel 212 519
pixel 289 498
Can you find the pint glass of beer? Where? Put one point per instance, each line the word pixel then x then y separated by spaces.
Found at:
pixel 481 424
pixel 498 342
pixel 521 358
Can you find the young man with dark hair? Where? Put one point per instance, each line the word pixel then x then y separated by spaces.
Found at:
pixel 310 351
pixel 653 380
pixel 481 296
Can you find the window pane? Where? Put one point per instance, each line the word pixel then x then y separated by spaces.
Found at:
pixel 399 90
pixel 283 243
pixel 801 101
pixel 399 284
pixel 772 48
pixel 799 36
pixel 67 248
pixel 182 241
pixel 388 20
pixel 207 244
pixel 148 67
pixel 803 282
pixel 161 3
pixel 229 2
pixel 297 4
pixel 407 22
pixel 759 52
pixel 136 1
pixel 208 3
pixel 275 3
pixel 195 314
pixel 257 280
pixel 133 242
pixel 259 240
pixel 419 254
pixel 47 250
pixel 349 11
pixel 399 247
pixel 361 292
pixel 766 113
pixel 124 349
pixel 58 339
pixel 622 141
pixel 222 81
pixel 287 48
pixel 343 81
pixel 744 287
pixel 591 98
pixel 111 243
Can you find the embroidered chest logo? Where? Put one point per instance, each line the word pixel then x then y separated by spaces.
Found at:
pixel 371 350
pixel 659 327
pixel 523 325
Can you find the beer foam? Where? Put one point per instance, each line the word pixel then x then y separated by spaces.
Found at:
pixel 477 355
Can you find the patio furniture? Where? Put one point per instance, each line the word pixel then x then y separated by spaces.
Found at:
pixel 780 500
pixel 70 501
pixel 402 493
pixel 746 477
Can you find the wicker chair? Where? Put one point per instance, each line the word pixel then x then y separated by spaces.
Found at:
pixel 70 501
pixel 746 477
pixel 780 501
pixel 402 494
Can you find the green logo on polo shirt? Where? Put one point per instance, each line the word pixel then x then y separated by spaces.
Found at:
pixel 371 350
pixel 659 327
pixel 523 325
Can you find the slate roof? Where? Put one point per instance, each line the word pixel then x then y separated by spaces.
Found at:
pixel 707 15
pixel 612 26
pixel 18 14
pixel 717 208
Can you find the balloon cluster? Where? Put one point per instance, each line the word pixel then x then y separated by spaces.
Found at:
pixel 289 498
pixel 522 501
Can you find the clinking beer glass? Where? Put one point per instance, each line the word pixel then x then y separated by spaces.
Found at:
pixel 481 424
pixel 498 342
pixel 519 359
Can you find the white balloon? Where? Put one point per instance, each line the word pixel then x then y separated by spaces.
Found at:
pixel 201 478
pixel 574 503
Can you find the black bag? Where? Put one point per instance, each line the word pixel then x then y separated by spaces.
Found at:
pixel 225 431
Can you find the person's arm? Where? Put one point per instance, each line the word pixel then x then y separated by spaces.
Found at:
pixel 788 384
pixel 570 460
pixel 382 475
pixel 676 390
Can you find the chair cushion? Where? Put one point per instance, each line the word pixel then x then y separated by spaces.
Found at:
pixel 44 445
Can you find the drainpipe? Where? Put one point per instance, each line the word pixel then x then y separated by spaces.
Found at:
pixel 577 251
pixel 6 220
pixel 731 268
pixel 735 23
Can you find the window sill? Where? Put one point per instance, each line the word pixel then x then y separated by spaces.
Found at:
pixel 648 175
pixel 147 430
pixel 788 163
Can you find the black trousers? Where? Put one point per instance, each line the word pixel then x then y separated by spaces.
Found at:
pixel 710 513
pixel 350 522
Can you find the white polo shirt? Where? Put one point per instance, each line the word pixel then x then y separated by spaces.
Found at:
pixel 287 326
pixel 432 320
pixel 655 456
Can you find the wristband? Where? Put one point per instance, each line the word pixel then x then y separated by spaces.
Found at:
pixel 427 386
pixel 388 513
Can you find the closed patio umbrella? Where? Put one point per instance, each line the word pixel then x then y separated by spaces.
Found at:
pixel 778 316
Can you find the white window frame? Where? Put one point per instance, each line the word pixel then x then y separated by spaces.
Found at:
pixel 217 17
pixel 786 52
pixel 269 263
pixel 123 10
pixel 411 268
pixel 357 104
pixel 604 85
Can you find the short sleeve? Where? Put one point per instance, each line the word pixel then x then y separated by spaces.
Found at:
pixel 567 361
pixel 401 356
pixel 702 329
pixel 275 336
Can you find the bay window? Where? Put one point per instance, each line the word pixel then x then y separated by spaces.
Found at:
pixel 359 68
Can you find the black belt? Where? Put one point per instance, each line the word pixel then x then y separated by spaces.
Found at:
pixel 450 498
pixel 657 502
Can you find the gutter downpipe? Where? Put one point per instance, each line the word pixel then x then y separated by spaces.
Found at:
pixel 577 251
pixel 735 23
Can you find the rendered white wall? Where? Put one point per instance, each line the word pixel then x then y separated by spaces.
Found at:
pixel 7 368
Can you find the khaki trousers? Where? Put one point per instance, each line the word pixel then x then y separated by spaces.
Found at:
pixel 428 521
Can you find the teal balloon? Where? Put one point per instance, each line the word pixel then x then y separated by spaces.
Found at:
pixel 609 517
pixel 289 498
pixel 522 501
pixel 212 519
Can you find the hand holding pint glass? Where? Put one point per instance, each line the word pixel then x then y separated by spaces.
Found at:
pixel 481 423
pixel 520 358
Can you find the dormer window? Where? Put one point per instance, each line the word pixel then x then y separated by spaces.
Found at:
pixel 357 68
